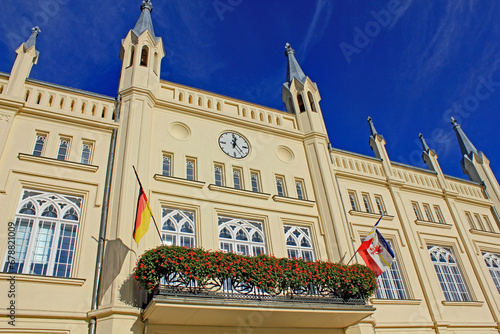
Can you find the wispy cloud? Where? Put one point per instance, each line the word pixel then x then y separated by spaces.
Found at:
pixel 319 22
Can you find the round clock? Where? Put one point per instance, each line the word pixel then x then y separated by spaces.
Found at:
pixel 234 145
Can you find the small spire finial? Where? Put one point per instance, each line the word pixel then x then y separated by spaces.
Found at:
pixel 289 49
pixel 466 146
pixel 373 131
pixel 32 40
pixel 425 147
pixel 147 4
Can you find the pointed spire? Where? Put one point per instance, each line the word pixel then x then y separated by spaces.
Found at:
pixel 145 22
pixel 373 131
pixel 466 146
pixel 425 147
pixel 32 40
pixel 293 69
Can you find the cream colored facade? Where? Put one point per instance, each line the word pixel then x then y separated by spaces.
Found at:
pixel 157 121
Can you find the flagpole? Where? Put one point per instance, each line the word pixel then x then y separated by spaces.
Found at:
pixel 378 221
pixel 154 220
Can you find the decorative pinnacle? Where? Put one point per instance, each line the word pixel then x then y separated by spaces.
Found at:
pixel 32 40
pixel 466 146
pixel 425 147
pixel 373 131
pixel 289 49
pixel 147 4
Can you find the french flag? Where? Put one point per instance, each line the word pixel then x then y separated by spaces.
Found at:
pixel 376 252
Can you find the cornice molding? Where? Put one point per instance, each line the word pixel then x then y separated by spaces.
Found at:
pixel 376 301
pixel 290 200
pixel 59 163
pixel 178 180
pixel 370 215
pixel 433 224
pixel 43 279
pixel 241 192
pixel 485 233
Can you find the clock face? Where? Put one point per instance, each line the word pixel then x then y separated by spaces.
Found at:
pixel 234 145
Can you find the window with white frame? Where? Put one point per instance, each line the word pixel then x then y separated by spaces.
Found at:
pixel 40 140
pixel 190 169
pixel 299 186
pixel 439 214
pixel 380 204
pixel 353 200
pixel 280 186
pixel 366 202
pixel 46 232
pixel 218 175
pixel 416 209
pixel 255 178
pixel 62 153
pixel 237 181
pixel 449 275
pixel 178 227
pixel 241 236
pixel 428 213
pixel 493 263
pixel 299 243
pixel 390 282
pixel 166 164
pixel 87 150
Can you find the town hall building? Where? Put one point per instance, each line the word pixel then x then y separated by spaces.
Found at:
pixel 222 173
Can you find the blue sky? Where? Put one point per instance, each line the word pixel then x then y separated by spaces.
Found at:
pixel 408 64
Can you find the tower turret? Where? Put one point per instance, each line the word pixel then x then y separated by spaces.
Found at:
pixel 301 96
pixel 377 144
pixel 141 54
pixel 430 158
pixel 27 55
pixel 476 166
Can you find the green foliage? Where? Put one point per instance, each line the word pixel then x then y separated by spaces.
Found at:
pixel 266 272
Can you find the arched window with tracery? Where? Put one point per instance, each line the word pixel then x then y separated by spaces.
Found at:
pixel 493 264
pixel 178 227
pixel 241 236
pixel 46 230
pixel 299 243
pixel 449 275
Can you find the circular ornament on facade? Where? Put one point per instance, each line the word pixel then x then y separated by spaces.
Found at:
pixel 179 131
pixel 285 154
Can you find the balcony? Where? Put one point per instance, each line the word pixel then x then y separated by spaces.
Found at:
pixel 199 288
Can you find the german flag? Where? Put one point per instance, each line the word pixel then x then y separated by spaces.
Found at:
pixel 143 216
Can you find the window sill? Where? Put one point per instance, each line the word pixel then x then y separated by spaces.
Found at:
pixel 241 192
pixel 178 180
pixel 43 279
pixel 433 224
pixel 291 200
pixel 453 303
pixel 55 162
pixel 376 301
pixel 486 233
pixel 370 214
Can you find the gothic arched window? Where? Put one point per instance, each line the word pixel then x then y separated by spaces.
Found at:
pixel 144 56
pixel 300 101
pixel 46 229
